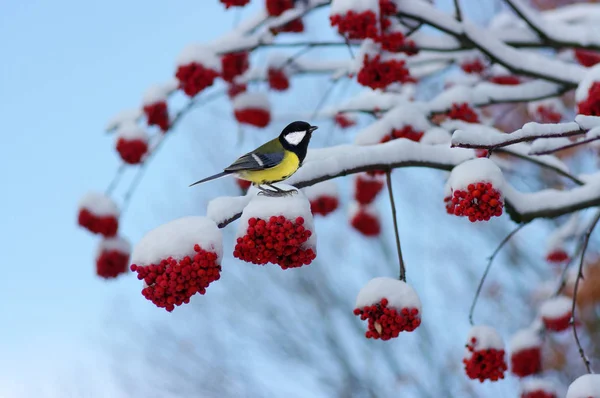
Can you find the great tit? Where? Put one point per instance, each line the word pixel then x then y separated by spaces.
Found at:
pixel 272 162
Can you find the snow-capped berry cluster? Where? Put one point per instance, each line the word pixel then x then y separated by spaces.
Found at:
pixel 538 388
pixel 343 120
pixel 367 187
pixel 131 143
pixel 591 105
pixel 99 214
pixel 475 66
pixel 396 42
pixel 586 386
pixel 587 57
pixel 378 73
pixel 405 132
pixel 557 256
pixel 355 25
pixel 474 190
pixel 390 305
pixel 155 106
pixel 277 78
pixel 546 111
pixel 484 357
pixel 323 197
pixel 234 89
pixel 113 257
pixel 197 69
pixel 525 353
pixel 365 219
pixel 276 7
pixel 233 65
pixel 234 3
pixel 556 313
pixel 157 114
pixel 252 109
pixel 177 260
pixel 463 112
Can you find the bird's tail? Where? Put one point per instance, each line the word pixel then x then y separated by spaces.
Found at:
pixel 213 177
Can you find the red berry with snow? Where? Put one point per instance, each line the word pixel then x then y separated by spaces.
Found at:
pixel 277 241
pixel 463 112
pixel 113 257
pixel 390 306
pixel 557 256
pixel 324 205
pixel 395 42
pixel 234 3
pixel 405 132
pixel 366 188
pixel 194 77
pixel 479 202
pixel 234 89
pixel 356 25
pixel 485 355
pixel 546 114
pixel 343 120
pixel 157 114
pixel 591 104
pixel 387 8
pixel 233 65
pixel 132 151
pixel 556 313
pixel 98 214
pixel 538 388
pixel 505 80
pixel 587 57
pixel 365 221
pixel 294 26
pixel 252 109
pixel 376 73
pixel 526 353
pixel 278 79
pixel 586 386
pixel 277 7
pixel 473 66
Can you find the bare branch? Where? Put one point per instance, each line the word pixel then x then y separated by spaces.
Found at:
pixel 388 175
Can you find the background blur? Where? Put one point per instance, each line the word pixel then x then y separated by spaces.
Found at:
pixel 66 68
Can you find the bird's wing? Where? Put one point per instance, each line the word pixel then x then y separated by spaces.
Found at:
pixel 256 161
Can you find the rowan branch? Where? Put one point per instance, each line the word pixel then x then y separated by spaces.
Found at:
pixel 388 175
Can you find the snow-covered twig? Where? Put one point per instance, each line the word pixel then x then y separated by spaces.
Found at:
pixel 388 175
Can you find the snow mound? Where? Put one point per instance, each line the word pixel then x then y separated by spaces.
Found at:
pixel 486 338
pixel 124 116
pixel 399 294
pixel 342 6
pixel 222 208
pixel 325 188
pixel 587 122
pixel 586 386
pixel 592 75
pixel 251 101
pixel 177 239
pixel 99 204
pixel 474 171
pixel 354 207
pixel 536 384
pixel 117 243
pixel 436 136
pixel 556 307
pixel 159 92
pixel 524 339
pixel 130 132
pixel 206 56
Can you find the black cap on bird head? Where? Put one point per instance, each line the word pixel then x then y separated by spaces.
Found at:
pixel 296 136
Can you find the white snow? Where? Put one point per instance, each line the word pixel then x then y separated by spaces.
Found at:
pixel 548 145
pixel 436 136
pixel 534 384
pixel 354 207
pixel 399 294
pixel 523 149
pixel 592 75
pixel 368 100
pixel 556 307
pixel 99 204
pixel 177 239
pixel 487 338
pixel 117 243
pixel 474 171
pixel 199 53
pixel 342 6
pixel 566 231
pixel 222 208
pixel 325 188
pixel 291 207
pixel 249 100
pixel 586 386
pixel 130 132
pixel 159 92
pixel 525 339
pixel 403 115
pixel 587 122
pixel 124 116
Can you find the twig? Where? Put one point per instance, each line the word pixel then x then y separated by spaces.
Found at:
pixel 586 239
pixel 487 269
pixel 388 175
pixel 349 47
pixel 563 274
pixel 459 16
pixel 115 180
pixel 324 98
pixel 571 145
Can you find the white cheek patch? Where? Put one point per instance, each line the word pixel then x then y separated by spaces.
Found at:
pixel 295 138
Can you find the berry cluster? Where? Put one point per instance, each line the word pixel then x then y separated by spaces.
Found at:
pixel 324 204
pixel 278 79
pixel 343 121
pixel 559 323
pixel 557 256
pixel 586 57
pixel 235 89
pixel 376 73
pixel 276 7
pixel 526 362
pixel 396 42
pixel 253 116
pixel 387 322
pixel 111 263
pixel 505 80
pixel 104 225
pixel 132 150
pixel 294 26
pixel 366 188
pixel 545 114
pixel 463 112
pixel 243 184
pixel 276 241
pixel 484 364
pixel 172 282
pixel 474 66
pixel 233 65
pixel 157 114
pixel 591 105
pixel 481 153
pixel 479 202
pixel 194 78
pixel 366 223
pixel 405 132
pixel 234 3
pixel 356 25
pixel 538 394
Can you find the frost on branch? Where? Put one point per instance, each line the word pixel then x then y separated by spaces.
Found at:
pixel 323 197
pixel 364 219
pixel 586 386
pixel 474 190
pixel 252 108
pixel 538 388
pixel 484 355
pixel 277 230
pixel 197 68
pixel 390 305
pixel 587 94
pixel 556 313
pixel 112 258
pixel 525 353
pixel 131 143
pixel 177 260
pixel 99 214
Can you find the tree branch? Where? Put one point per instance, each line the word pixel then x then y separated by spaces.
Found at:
pixel 388 175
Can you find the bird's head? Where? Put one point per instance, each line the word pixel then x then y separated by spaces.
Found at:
pixel 296 134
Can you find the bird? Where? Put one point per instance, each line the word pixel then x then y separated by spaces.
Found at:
pixel 273 161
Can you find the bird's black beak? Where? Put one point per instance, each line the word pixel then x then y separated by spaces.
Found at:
pixel 312 128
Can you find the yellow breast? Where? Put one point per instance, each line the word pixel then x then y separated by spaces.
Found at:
pixel 283 170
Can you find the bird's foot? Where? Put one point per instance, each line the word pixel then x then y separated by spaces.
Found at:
pixel 276 192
